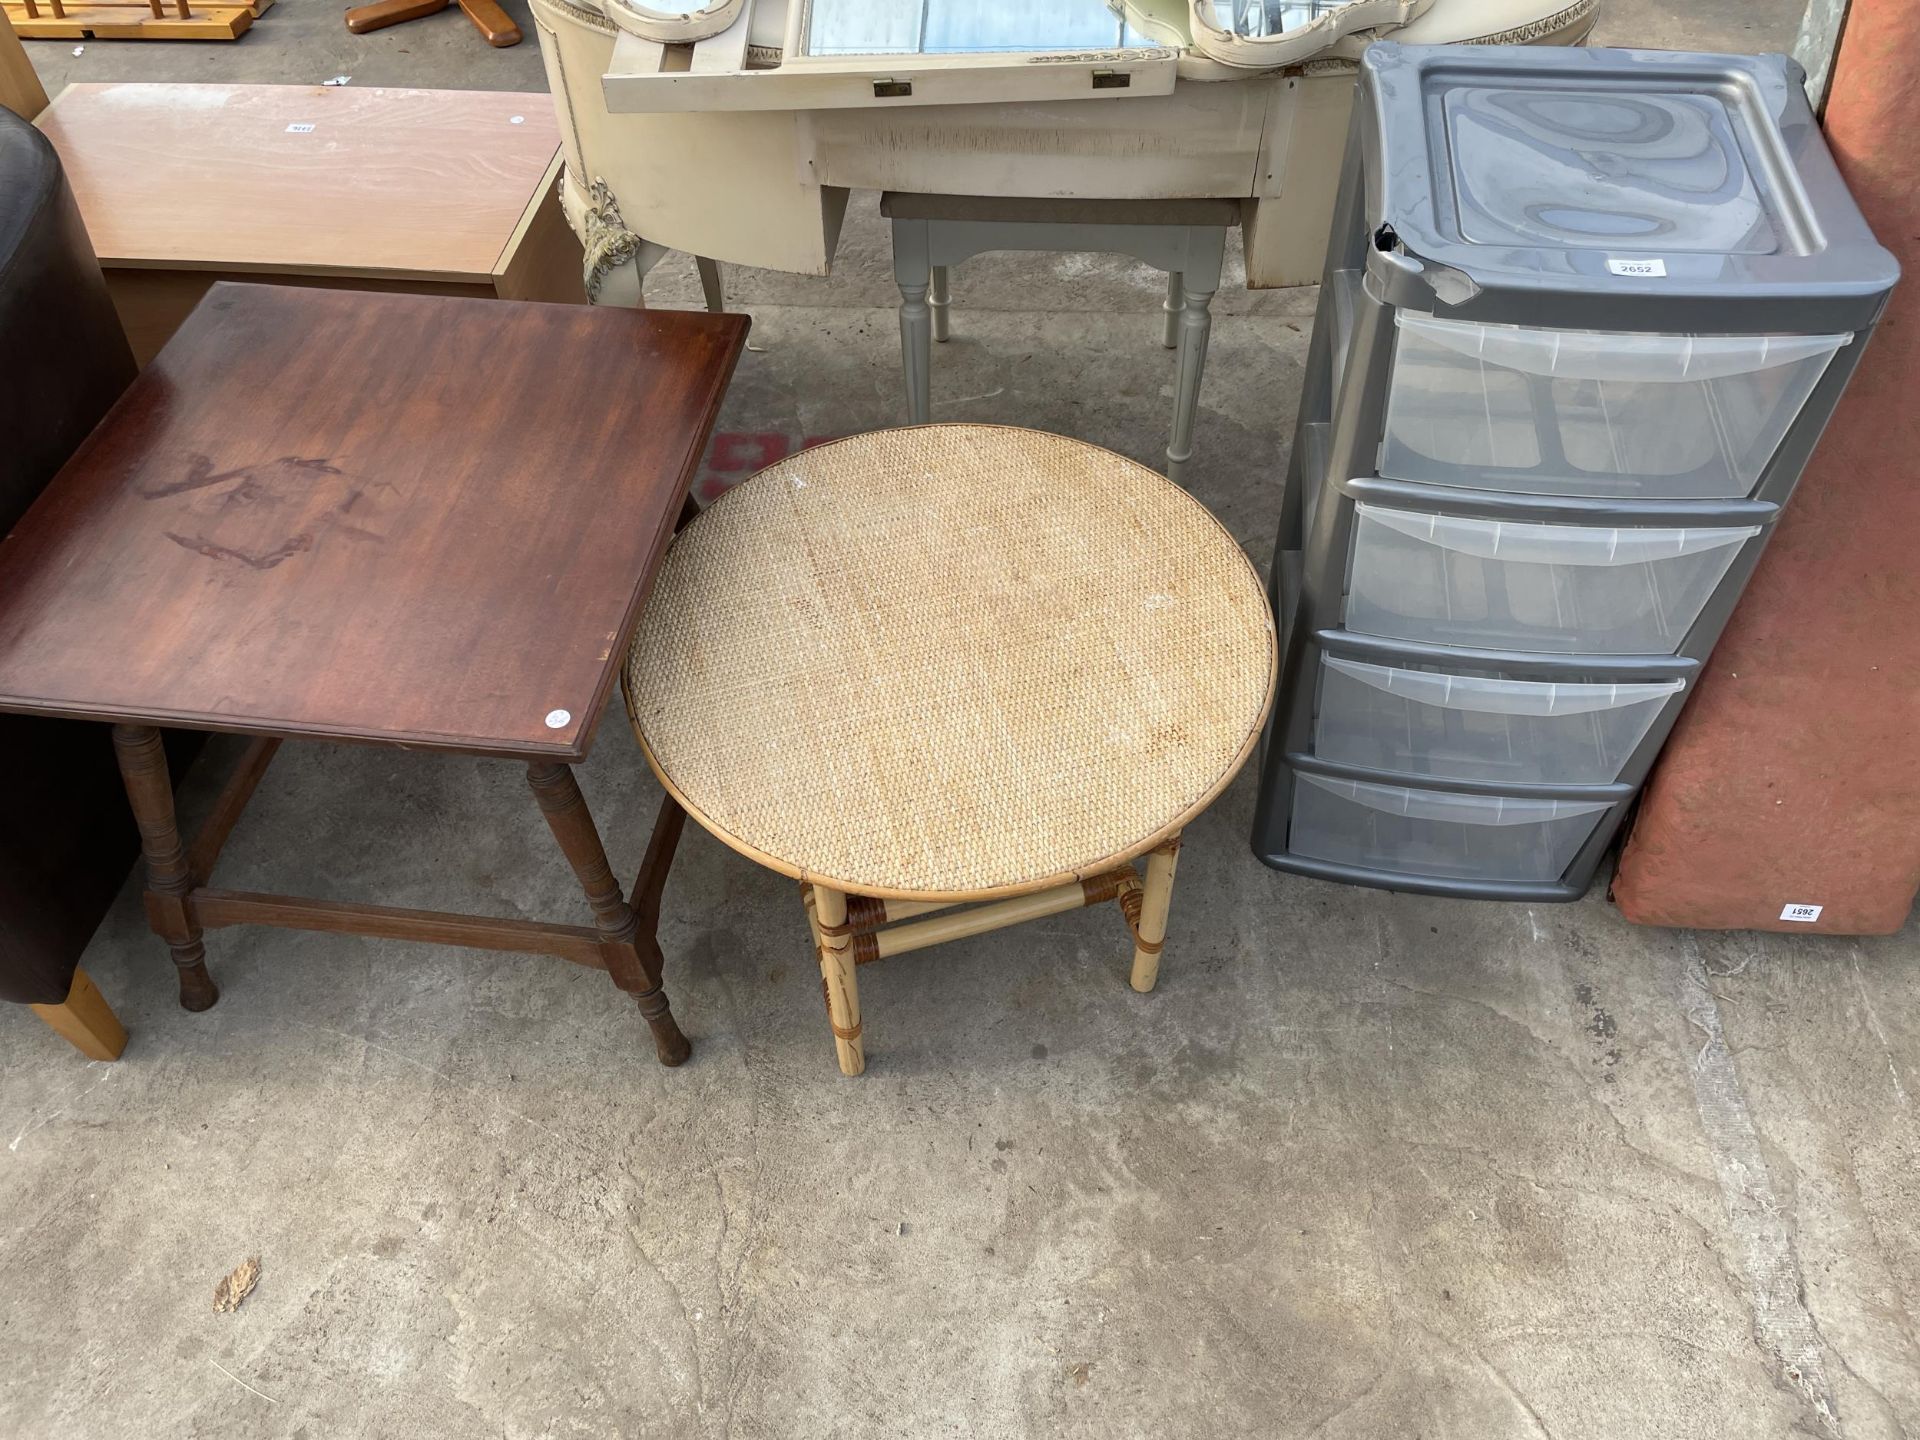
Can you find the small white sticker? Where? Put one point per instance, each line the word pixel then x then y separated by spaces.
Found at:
pixel 1806 914
pixel 557 720
pixel 1643 269
pixel 516 120
pixel 300 127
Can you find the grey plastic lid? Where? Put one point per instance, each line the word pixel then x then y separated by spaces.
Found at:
pixel 1626 189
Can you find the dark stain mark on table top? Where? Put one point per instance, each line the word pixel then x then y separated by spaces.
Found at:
pixel 460 501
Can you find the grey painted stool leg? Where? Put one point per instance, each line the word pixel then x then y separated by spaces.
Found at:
pixel 710 283
pixel 937 300
pixel 1196 323
pixel 913 271
pixel 1170 333
pixel 1206 248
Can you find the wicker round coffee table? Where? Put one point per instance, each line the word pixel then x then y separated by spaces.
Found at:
pixel 948 665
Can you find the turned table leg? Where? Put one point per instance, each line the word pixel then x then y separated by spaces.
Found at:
pixel 1150 933
pixel 1196 323
pixel 1171 309
pixel 913 272
pixel 143 765
pixel 633 957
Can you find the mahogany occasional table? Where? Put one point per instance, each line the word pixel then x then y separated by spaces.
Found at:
pixel 388 519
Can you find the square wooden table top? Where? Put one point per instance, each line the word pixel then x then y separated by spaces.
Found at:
pixel 304 179
pixel 406 519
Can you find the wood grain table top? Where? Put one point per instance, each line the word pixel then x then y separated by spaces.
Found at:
pixel 303 179
pixel 404 519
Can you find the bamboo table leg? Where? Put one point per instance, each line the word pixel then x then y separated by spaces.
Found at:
pixel 633 958
pixel 143 765
pixel 1150 932
pixel 837 977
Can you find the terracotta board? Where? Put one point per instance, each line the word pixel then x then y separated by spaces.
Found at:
pixel 1793 778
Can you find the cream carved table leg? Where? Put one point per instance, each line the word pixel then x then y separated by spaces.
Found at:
pixel 1170 320
pixel 614 261
pixel 837 977
pixel 1150 930
pixel 938 299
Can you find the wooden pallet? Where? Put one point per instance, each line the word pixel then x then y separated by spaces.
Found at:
pixel 132 19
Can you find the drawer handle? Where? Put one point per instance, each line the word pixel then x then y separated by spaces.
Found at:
pixel 1502 697
pixel 1450 809
pixel 1514 543
pixel 1623 356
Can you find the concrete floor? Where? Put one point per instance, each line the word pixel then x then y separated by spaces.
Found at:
pixel 1365 1166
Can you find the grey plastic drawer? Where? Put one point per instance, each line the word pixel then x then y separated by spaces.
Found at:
pixel 1577 412
pixel 1431 723
pixel 1430 832
pixel 1562 589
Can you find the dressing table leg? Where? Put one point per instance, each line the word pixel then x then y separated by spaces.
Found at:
pixel 710 285
pixel 1170 319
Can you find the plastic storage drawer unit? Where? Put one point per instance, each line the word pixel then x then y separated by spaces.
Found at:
pixel 1581 412
pixel 1568 589
pixel 1431 832
pixel 1447 726
pixel 1584 316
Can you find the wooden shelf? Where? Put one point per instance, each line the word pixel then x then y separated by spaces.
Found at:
pixel 131 19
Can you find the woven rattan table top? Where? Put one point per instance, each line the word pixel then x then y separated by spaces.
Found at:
pixel 951 662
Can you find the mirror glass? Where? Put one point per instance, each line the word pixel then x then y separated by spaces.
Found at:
pixel 966 27
pixel 1253 19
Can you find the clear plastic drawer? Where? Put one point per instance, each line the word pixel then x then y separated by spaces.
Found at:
pixel 1428 832
pixel 1581 412
pixel 1450 726
pixel 1563 589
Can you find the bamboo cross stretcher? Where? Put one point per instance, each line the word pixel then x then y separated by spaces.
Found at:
pixel 861 930
pixel 132 19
